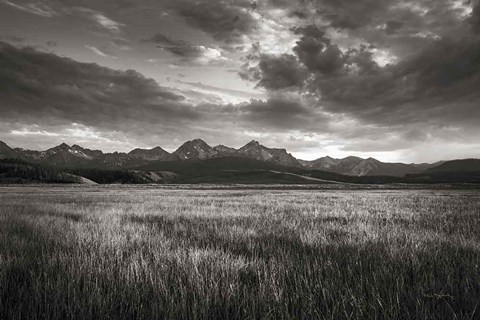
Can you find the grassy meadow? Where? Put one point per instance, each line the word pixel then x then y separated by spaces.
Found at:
pixel 70 252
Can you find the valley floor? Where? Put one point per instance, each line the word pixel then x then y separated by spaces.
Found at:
pixel 232 252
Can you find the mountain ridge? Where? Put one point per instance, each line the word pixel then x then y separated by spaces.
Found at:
pixel 64 155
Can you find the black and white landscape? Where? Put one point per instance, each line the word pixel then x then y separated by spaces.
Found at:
pixel 240 159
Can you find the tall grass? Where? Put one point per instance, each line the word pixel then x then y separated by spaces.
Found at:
pixel 94 253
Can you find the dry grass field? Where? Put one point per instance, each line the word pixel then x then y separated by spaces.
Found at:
pixel 163 253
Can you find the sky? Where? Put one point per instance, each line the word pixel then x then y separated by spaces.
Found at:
pixel 397 80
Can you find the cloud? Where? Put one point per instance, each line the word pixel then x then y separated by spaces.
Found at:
pixel 231 93
pixel 99 52
pixel 49 9
pixel 343 14
pixel 399 27
pixel 39 8
pixel 43 88
pixel 280 111
pixel 346 14
pixel 474 18
pixel 12 39
pixel 106 22
pixel 122 44
pixel 224 20
pixel 176 47
pixel 277 72
pixel 316 52
pixel 99 18
pixel 421 89
pixel 188 52
pixel 392 26
pixel 51 44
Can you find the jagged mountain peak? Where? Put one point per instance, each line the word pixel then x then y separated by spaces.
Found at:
pixel 78 147
pixel 254 150
pixel 251 145
pixel 196 149
pixel 156 153
pixel 62 146
pixel 67 154
pixel 352 158
pixel 196 142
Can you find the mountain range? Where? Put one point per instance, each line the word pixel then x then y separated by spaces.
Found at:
pixel 197 162
pixel 78 157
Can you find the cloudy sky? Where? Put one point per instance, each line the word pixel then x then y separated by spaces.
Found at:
pixel 398 80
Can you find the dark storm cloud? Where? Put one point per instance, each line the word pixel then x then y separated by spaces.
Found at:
pixel 400 26
pixel 420 88
pixel 392 26
pixel 343 14
pixel 224 20
pixel 316 52
pixel 351 14
pixel 42 88
pixel 280 72
pixel 360 15
pixel 423 88
pixel 323 59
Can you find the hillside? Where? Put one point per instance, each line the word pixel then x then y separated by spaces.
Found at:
pixel 355 166
pixel 464 165
pixel 16 171
pixel 455 171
